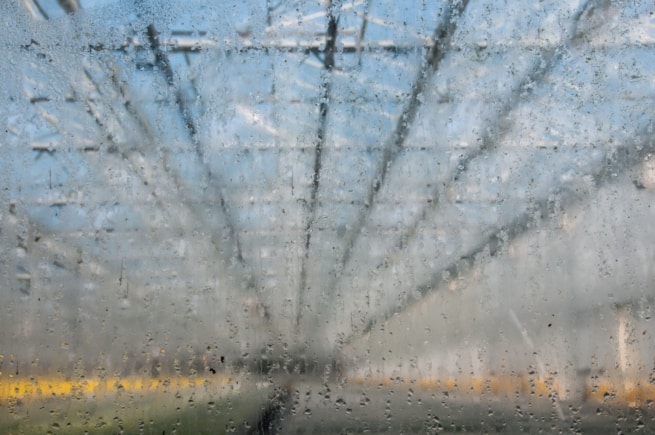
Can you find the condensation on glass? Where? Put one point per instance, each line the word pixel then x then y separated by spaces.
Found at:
pixel 327 216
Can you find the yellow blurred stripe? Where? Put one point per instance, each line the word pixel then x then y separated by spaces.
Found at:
pixel 495 385
pixel 44 387
pixel 629 394
pixel 632 393
pixel 621 393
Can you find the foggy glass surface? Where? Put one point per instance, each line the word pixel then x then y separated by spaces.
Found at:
pixel 327 216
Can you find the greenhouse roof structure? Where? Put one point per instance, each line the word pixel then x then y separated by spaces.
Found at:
pixel 363 187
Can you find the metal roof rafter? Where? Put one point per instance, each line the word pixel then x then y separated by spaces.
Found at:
pixel 324 105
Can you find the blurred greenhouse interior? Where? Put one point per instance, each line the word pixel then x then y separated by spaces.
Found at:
pixel 322 216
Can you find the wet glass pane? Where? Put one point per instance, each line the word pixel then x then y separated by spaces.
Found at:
pixel 327 216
